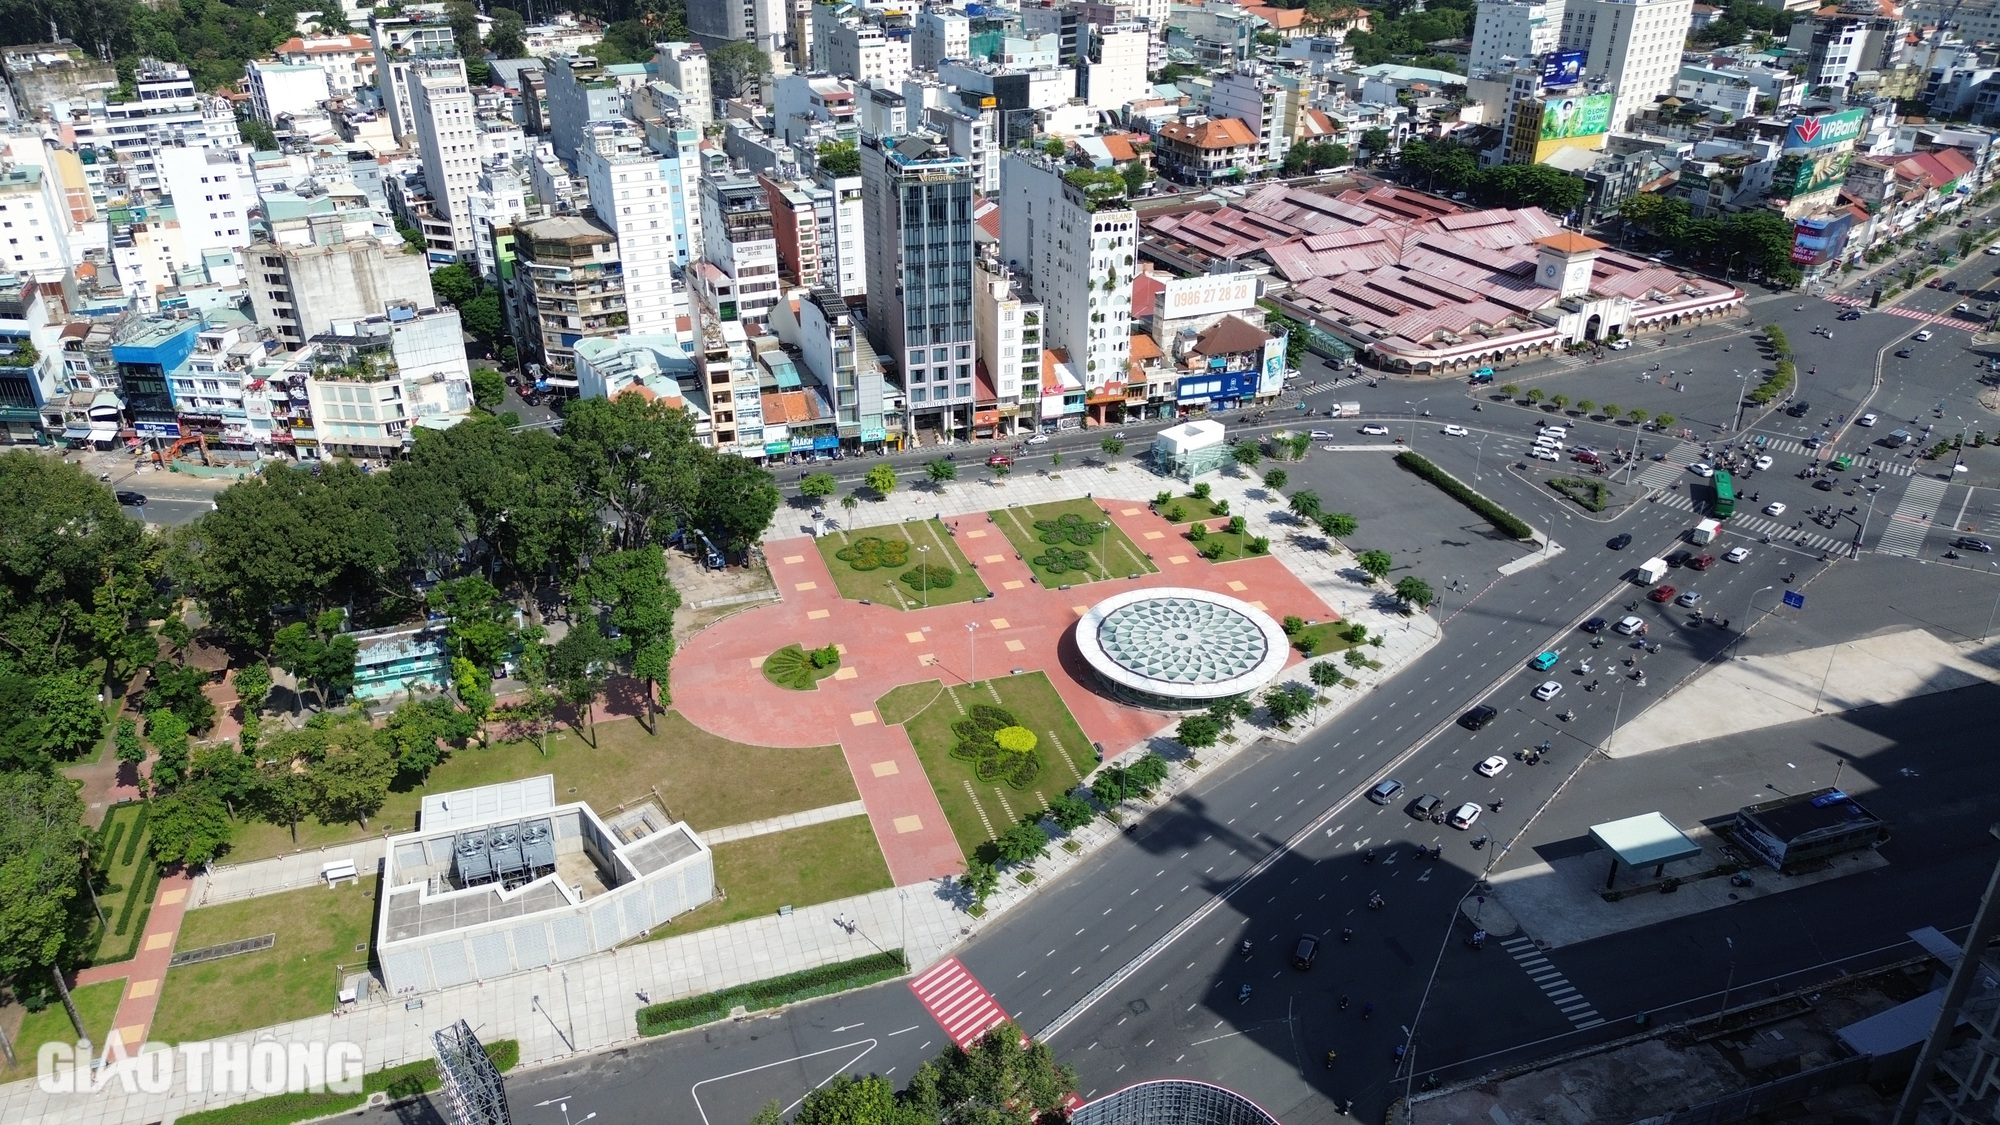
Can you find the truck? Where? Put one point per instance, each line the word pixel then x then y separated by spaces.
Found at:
pixel 1651 571
pixel 1346 410
pixel 1705 532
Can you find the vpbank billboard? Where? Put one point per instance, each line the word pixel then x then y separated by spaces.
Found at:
pixel 1812 131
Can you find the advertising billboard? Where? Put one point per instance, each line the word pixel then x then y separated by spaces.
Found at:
pixel 1801 174
pixel 1823 130
pixel 1818 241
pixel 1202 296
pixel 1562 68
pixel 1579 122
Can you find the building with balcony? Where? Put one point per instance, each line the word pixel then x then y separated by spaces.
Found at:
pixel 1205 150
pixel 570 285
pixel 1009 327
pixel 313 262
pixel 580 91
pixel 401 41
pixel 374 379
pixel 918 197
pixel 348 61
pixel 738 276
pixel 165 112
pixel 834 353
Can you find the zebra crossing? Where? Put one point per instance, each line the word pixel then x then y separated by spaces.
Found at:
pixel 1660 474
pixel 1944 320
pixel 1911 522
pixel 1550 980
pixel 1758 525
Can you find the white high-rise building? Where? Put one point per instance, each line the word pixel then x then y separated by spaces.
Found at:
pixel 939 34
pixel 1116 71
pixel 213 195
pixel 684 66
pixel 630 195
pixel 447 130
pixel 1633 44
pixel 1514 31
pixel 1075 247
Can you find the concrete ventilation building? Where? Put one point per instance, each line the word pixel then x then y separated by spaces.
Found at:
pixel 918 202
pixel 306 272
pixel 1635 45
pixel 501 879
pixel 1172 1101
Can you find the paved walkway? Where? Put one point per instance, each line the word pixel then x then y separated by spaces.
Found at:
pixel 784 823
pixel 234 881
pixel 145 973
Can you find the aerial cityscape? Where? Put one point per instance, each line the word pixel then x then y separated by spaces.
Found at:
pixel 1102 561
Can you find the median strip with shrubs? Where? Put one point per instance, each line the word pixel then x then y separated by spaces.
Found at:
pixel 693 1011
pixel 396 1082
pixel 1462 492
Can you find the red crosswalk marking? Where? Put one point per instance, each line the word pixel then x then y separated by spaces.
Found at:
pixel 965 1010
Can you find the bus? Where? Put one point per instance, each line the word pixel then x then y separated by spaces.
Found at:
pixel 1724 504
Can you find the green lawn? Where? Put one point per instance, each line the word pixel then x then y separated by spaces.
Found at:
pixel 799 867
pixel 96 1003
pixel 883 584
pixel 705 780
pixel 979 810
pixel 1111 553
pixel 317 930
pixel 1189 508
pixel 791 667
pixel 133 878
pixel 1234 545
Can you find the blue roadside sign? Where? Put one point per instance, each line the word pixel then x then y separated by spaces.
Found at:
pixel 1794 599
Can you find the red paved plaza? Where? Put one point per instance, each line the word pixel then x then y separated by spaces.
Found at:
pixel 719 687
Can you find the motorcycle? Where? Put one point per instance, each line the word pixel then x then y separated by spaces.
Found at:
pixel 1477 940
pixel 1346 935
pixel 1376 902
pixel 1243 995
pixel 1244 949
pixel 1479 842
pixel 1343 1003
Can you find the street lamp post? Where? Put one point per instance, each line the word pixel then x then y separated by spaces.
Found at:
pixel 1863 533
pixel 924 551
pixel 1413 417
pixel 1729 984
pixel 1737 426
pixel 972 651
pixel 1478 456
pixel 1749 607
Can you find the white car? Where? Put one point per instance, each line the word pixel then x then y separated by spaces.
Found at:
pixel 1963 307
pixel 1620 345
pixel 1775 508
pixel 1549 690
pixel 1737 554
pixel 1491 767
pixel 1321 435
pixel 1456 431
pixel 1925 334
pixel 1039 439
pixel 1544 453
pixel 1762 463
pixel 1627 626
pixel 1376 430
pixel 1465 814
pixel 1702 469
pixel 1553 432
pixel 1866 420
pixel 1548 443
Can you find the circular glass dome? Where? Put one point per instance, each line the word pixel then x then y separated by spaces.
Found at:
pixel 1179 647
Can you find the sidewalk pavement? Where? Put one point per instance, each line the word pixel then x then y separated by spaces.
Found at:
pixel 234 881
pixel 784 823
pixel 146 973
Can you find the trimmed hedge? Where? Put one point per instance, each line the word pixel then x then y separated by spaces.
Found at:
pixel 398 1082
pixel 693 1011
pixel 1463 493
pixel 138 832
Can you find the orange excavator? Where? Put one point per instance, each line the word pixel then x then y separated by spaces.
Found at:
pixel 174 450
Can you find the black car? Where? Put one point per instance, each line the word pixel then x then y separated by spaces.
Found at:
pixel 1799 409
pixel 1477 717
pixel 1823 484
pixel 1813 442
pixel 1968 543
pixel 1385 791
pixel 1902 353
pixel 513 380
pixel 1305 952
pixel 1951 286
pixel 1850 314
pixel 1594 625
pixel 1620 541
pixel 1424 806
pixel 1679 558
pixel 130 499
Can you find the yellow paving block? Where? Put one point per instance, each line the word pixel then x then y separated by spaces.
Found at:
pixel 885 769
pixel 1156 535
pixel 975 535
pixel 1260 605
pixel 926 660
pixel 840 648
pixel 1080 610
pixel 1015 646
pixel 794 560
pixel 142 988
pixel 845 674
pixel 804 586
pixel 1177 559
pixel 168 898
pixel 816 614
pixel 914 638
pixel 994 558
pixel 998 623
pixel 862 718
pixel 1015 584
pixel 1129 511
pixel 758 661
pixel 1238 587
pixel 159 940
pixel 132 1036
pixel 908 824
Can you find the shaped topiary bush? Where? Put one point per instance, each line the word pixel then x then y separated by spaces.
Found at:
pixel 1015 740
pixel 979 742
pixel 871 552
pixel 1061 560
pixel 928 576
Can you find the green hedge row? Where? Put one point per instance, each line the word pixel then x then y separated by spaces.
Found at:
pixel 693 1011
pixel 138 832
pixel 398 1082
pixel 145 881
pixel 1463 493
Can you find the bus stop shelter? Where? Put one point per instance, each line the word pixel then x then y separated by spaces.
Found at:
pixel 1648 839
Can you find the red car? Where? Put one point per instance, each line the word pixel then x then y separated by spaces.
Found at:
pixel 1702 562
pixel 1663 593
pixel 999 459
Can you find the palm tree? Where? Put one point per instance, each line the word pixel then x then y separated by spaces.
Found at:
pixel 850 502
